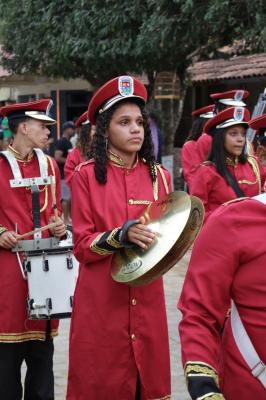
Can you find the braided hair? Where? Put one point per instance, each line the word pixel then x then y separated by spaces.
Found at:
pixel 99 143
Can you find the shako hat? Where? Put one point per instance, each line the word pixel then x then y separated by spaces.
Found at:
pixel 229 117
pixel 38 109
pixel 117 89
pixel 232 98
pixel 204 112
pixel 82 120
pixel 258 123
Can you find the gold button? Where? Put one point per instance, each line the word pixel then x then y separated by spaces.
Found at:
pixel 127 172
pixel 133 337
pixel 133 302
pixel 130 201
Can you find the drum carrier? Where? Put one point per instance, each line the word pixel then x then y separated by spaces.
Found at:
pixel 47 264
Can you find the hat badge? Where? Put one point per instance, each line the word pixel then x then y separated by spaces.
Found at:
pixel 239 113
pixel 239 95
pixel 125 86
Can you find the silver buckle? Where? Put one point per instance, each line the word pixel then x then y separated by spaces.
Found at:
pixel 258 369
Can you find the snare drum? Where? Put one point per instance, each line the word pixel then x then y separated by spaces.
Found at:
pixel 52 275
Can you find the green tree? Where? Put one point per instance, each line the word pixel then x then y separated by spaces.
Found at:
pixel 97 39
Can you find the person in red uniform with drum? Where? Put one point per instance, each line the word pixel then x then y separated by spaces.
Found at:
pixel 224 358
pixel 223 100
pixel 20 338
pixel 119 339
pixel 81 152
pixel 189 155
pixel 229 172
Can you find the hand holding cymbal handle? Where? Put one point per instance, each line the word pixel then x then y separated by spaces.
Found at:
pixel 140 234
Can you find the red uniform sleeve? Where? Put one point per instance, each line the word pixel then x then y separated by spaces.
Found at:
pixel 262 176
pixel 205 297
pixel 201 185
pixel 205 300
pixel 204 144
pixel 89 244
pixel 73 159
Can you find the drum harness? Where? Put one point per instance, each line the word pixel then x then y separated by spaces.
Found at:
pixel 33 183
pixel 242 340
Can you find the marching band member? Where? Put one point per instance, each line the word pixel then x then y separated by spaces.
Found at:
pixel 116 330
pixel 229 172
pixel 80 153
pixel 223 100
pixel 20 338
pixel 189 155
pixel 259 125
pixel 223 357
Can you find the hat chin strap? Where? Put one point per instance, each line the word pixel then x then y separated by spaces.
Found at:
pixel 115 99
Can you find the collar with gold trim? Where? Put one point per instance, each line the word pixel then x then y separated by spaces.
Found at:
pixel 18 155
pixel 233 162
pixel 117 161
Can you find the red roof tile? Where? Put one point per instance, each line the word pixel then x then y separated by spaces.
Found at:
pixel 232 68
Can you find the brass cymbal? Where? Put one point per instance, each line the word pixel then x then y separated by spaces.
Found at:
pixel 177 219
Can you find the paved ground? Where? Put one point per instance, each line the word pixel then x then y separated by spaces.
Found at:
pixel 173 281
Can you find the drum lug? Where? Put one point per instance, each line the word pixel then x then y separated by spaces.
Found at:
pixel 71 301
pixel 45 265
pixel 30 304
pixel 26 265
pixel 49 304
pixel 69 262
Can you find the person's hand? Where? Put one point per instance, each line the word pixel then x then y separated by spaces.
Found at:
pixel 141 235
pixel 60 229
pixel 8 239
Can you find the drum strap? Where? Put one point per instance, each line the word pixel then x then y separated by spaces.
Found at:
pixel 246 348
pixel 19 181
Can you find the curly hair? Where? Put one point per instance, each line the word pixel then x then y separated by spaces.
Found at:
pixel 84 140
pixel 99 143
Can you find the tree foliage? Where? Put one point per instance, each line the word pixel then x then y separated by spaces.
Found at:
pixel 99 39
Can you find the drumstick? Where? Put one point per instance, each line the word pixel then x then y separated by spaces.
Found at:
pixel 53 190
pixel 49 226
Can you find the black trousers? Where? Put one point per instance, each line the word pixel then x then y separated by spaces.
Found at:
pixel 39 380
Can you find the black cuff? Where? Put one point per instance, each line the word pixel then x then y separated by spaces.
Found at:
pixel 123 233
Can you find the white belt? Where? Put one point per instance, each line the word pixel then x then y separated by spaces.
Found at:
pixel 246 348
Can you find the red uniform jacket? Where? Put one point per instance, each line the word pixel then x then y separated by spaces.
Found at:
pixel 204 144
pixel 213 190
pixel 117 332
pixel 16 207
pixel 189 160
pixel 74 158
pixel 228 262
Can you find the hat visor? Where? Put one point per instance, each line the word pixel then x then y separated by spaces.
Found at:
pixel 207 115
pixel 226 124
pixel 41 117
pixel 116 99
pixel 232 102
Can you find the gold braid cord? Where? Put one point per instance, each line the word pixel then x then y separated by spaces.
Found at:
pixel 212 396
pixel 197 368
pixel 252 161
pixel 163 178
pixel 99 250
pixel 2 229
pixel 111 240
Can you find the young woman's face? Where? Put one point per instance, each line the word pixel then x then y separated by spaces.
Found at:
pixel 126 131
pixel 235 139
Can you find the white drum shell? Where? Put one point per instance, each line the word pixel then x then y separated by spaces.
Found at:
pixel 54 287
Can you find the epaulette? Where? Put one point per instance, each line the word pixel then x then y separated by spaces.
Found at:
pixel 78 167
pixel 235 200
